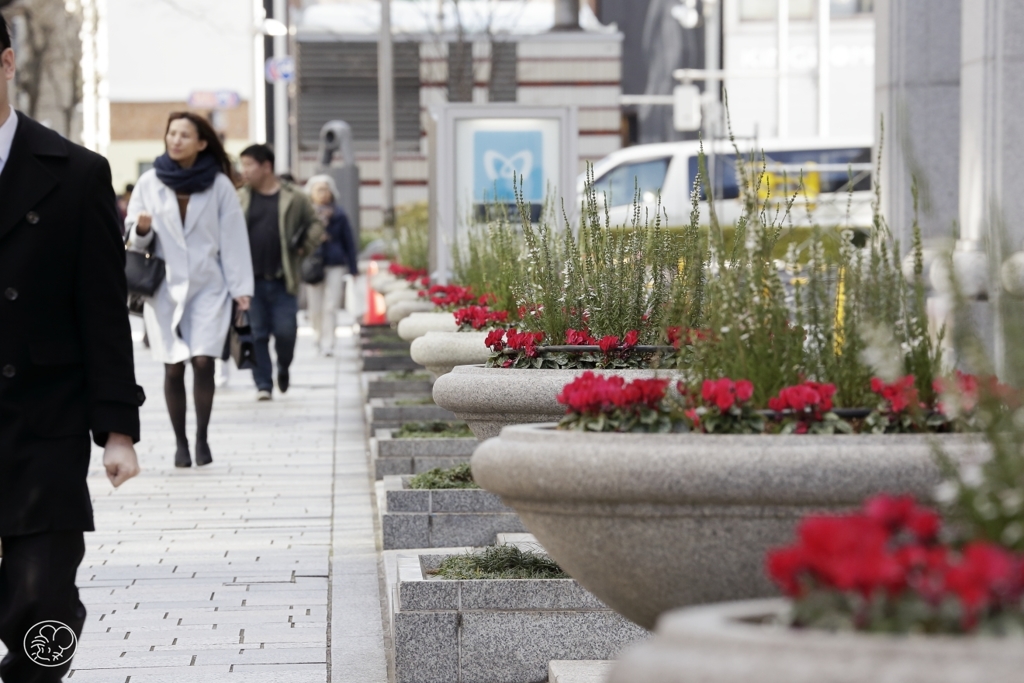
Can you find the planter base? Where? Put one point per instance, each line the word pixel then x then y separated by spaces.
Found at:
pixel 729 643
pixel 442 518
pixel 486 631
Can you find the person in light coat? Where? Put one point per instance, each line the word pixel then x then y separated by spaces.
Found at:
pixel 186 211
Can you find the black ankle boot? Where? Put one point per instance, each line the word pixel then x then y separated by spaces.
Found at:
pixel 203 454
pixel 182 457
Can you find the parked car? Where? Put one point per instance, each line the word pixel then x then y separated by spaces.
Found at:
pixel 831 180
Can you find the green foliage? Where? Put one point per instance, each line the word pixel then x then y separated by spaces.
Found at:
pixel 500 562
pixel 458 477
pixel 607 280
pixel 831 312
pixel 433 430
pixel 489 259
pixel 412 229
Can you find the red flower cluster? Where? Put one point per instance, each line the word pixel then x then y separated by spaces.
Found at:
pixel 478 317
pixel 678 336
pixel 725 393
pixel 899 395
pixel 406 272
pixel 611 344
pixel 889 549
pixel 499 340
pixel 579 338
pixel 449 295
pixel 592 395
pixel 809 401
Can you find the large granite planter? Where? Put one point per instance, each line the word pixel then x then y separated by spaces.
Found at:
pixel 730 643
pixel 403 309
pixel 418 324
pixel 491 398
pixel 653 522
pixel 439 352
pixel 442 518
pixel 415 456
pixel 496 631
pixel 386 412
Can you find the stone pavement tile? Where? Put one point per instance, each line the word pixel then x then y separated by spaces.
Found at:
pixel 250 656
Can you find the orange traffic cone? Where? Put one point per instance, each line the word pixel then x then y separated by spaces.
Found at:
pixel 375 308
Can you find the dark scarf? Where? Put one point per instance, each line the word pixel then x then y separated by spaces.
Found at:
pixel 187 180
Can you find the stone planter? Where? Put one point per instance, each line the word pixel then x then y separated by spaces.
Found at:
pixel 491 398
pixel 496 631
pixel 400 295
pixel 442 518
pixel 386 412
pixel 418 324
pixel 652 522
pixel 730 643
pixel 382 280
pixel 415 456
pixel 404 309
pixel 439 352
pixel 392 388
pixel 392 360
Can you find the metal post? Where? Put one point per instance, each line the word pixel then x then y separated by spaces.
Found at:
pixel 386 105
pixel 282 148
pixel 258 103
pixel 712 105
pixel 782 64
pixel 824 66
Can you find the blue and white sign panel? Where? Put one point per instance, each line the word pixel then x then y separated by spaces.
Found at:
pixel 494 155
pixel 503 159
pixel 482 153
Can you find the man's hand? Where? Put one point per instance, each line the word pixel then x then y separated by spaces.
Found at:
pixel 243 302
pixel 119 459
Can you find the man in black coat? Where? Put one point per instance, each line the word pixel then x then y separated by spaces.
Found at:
pixel 66 369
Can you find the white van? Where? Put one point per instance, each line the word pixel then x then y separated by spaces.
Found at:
pixel 830 168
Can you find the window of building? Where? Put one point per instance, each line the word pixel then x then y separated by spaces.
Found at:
pixel 767 10
pixel 619 184
pixel 338 80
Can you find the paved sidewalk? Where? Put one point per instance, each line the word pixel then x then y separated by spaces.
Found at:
pixel 261 567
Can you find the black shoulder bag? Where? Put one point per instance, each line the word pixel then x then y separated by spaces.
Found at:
pixel 311 268
pixel 143 271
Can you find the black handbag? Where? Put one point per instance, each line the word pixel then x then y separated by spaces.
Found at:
pixel 240 344
pixel 312 268
pixel 143 271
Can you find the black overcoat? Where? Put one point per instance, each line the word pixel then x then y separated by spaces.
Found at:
pixel 66 366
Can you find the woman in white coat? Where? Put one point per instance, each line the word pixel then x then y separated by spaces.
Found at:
pixel 186 211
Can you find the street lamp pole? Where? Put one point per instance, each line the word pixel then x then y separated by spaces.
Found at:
pixel 386 105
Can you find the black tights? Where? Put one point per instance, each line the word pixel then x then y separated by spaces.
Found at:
pixel 174 394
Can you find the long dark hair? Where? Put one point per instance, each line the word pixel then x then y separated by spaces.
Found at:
pixel 207 133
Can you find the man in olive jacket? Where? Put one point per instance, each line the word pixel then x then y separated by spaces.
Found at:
pixel 283 228
pixel 66 370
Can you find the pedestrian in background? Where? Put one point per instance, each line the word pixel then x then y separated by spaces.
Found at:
pixel 283 227
pixel 66 369
pixel 185 210
pixel 340 259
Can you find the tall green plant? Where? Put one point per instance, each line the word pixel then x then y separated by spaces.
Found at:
pixel 412 228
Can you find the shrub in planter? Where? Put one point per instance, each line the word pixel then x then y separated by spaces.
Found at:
pixel 458 477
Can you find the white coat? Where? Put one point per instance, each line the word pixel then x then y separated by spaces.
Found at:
pixel 208 265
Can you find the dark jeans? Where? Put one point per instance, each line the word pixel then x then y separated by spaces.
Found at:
pixel 37 583
pixel 273 312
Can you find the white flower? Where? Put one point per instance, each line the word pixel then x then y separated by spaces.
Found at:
pixel 972 475
pixel 946 492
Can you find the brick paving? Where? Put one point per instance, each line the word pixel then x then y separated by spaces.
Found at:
pixel 262 567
